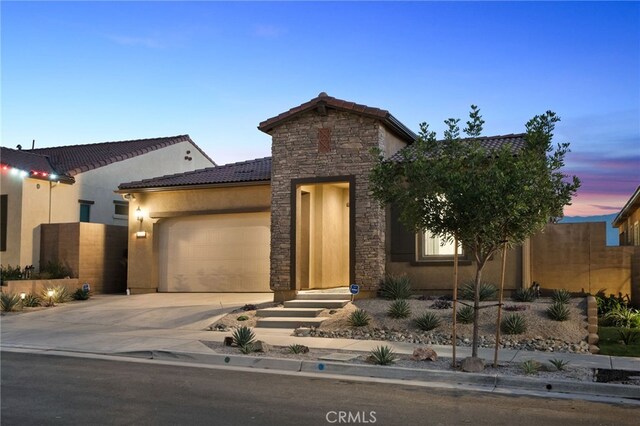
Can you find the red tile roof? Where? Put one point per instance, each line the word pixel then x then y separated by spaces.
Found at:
pixel 258 170
pixel 516 142
pixel 74 159
pixel 325 101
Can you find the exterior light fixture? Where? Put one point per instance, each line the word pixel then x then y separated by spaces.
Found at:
pixel 139 215
pixel 23 296
pixel 53 177
pixel 23 174
pixel 50 293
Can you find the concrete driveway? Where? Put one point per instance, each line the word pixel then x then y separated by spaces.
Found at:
pixel 112 323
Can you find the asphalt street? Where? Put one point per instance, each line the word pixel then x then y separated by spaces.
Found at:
pixel 47 389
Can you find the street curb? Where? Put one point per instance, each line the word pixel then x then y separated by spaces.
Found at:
pixel 488 381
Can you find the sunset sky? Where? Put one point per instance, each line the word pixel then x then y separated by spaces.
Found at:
pixel 82 72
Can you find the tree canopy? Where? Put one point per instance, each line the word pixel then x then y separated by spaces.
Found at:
pixel 484 196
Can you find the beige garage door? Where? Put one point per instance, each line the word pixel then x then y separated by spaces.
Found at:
pixel 226 252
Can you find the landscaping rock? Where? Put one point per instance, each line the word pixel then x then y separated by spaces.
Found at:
pixel 260 346
pixel 424 354
pixel 228 341
pixel 592 339
pixel 472 365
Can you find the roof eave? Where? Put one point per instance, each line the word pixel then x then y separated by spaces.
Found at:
pixel 624 213
pixel 196 186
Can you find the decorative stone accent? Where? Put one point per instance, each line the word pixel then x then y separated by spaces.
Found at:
pixel 295 155
pixel 424 354
pixel 592 321
pixel 472 365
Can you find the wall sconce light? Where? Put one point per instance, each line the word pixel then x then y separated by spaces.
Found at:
pixel 23 296
pixel 139 215
pixel 141 234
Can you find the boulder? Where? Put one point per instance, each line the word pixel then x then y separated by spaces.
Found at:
pixel 260 346
pixel 424 354
pixel 472 365
pixel 593 339
pixel 228 341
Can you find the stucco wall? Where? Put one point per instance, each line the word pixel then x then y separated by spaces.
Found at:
pixel 628 228
pixel 93 251
pixel 12 187
pixel 438 278
pixel 143 252
pixel 574 256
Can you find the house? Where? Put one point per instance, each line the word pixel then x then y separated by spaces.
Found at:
pixel 76 183
pixel 628 221
pixel 303 218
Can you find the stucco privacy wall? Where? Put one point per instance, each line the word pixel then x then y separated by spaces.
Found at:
pixel 92 251
pixel 295 155
pixel 575 256
pixel 161 205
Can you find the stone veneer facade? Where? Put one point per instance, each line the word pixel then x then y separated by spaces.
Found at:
pixel 296 155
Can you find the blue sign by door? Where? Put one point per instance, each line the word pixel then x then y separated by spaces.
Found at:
pixel 354 288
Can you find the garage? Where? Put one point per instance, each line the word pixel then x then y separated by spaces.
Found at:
pixel 214 253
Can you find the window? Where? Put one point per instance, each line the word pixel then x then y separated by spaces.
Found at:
pixel 431 247
pixel 3 222
pixel 121 208
pixel 85 210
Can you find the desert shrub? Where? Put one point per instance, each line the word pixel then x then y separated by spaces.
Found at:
pixel 396 287
pixel 9 272
pixel 81 294
pixel 558 311
pixel 382 355
pixel 60 294
pixel 399 309
pixel 31 301
pixel 628 335
pixel 9 302
pixel 242 318
pixel 359 318
pixel 513 324
pixel 559 364
pixel 297 349
pixel 623 317
pixel 55 269
pixel 524 295
pixel 441 304
pixel 561 296
pixel 243 337
pixel 487 291
pixel 428 321
pixel 610 303
pixel 465 315
pixel 530 366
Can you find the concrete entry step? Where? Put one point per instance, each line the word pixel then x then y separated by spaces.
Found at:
pixel 325 304
pixel 323 296
pixel 288 312
pixel 286 322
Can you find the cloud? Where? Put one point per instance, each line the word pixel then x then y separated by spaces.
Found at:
pixel 268 31
pixel 611 209
pixel 149 42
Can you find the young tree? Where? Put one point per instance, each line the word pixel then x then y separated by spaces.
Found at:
pixel 485 197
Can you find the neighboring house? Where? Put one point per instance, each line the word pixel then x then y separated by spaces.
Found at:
pixel 301 219
pixel 628 221
pixel 76 183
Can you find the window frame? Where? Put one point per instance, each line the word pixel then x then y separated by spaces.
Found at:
pixel 423 258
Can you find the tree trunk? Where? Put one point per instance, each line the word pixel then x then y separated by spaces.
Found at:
pixel 476 310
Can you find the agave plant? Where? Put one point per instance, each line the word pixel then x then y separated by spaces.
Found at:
pixel 399 309
pixel 487 291
pixel 243 336
pixel 465 315
pixel 558 311
pixel 428 321
pixel 513 324
pixel 359 318
pixel 524 295
pixel 297 349
pixel 31 301
pixel 530 366
pixel 57 294
pixel 561 296
pixel 396 287
pixel 382 355
pixel 9 302
pixel 559 364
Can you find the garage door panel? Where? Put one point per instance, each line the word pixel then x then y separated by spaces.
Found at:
pixel 215 253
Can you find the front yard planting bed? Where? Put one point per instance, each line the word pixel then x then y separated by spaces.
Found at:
pixel 611 344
